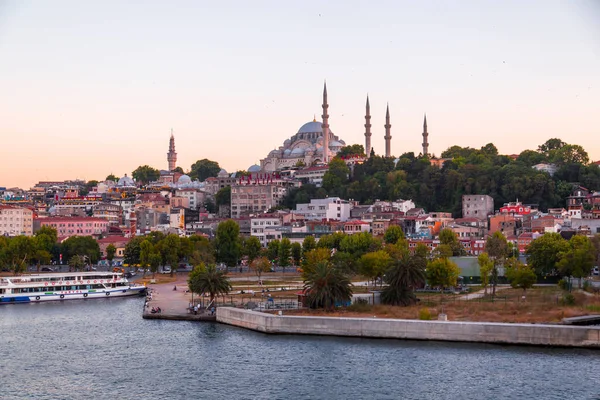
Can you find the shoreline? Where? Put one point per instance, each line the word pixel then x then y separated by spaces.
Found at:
pixel 449 331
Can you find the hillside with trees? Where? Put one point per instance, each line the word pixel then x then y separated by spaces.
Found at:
pixel 467 171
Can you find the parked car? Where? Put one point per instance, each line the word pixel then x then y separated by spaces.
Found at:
pixel 165 270
pixel 47 269
pixel 596 271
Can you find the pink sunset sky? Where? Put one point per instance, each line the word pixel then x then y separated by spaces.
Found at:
pixel 93 88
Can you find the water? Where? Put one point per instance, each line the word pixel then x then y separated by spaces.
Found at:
pixel 104 349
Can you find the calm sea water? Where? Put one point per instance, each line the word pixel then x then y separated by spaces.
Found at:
pixel 103 349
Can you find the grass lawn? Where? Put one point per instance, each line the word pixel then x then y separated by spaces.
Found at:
pixel 541 305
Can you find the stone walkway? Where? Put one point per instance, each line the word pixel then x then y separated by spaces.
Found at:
pixel 479 294
pixel 173 303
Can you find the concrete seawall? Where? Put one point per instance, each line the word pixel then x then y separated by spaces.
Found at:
pixel 482 332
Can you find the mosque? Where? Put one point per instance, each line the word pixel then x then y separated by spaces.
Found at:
pixel 315 143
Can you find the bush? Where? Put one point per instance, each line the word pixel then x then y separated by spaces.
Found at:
pixel 424 314
pixel 563 284
pixel 587 286
pixel 568 300
pixel 360 305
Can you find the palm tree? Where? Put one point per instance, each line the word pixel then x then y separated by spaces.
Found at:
pixel 405 274
pixel 208 279
pixel 325 285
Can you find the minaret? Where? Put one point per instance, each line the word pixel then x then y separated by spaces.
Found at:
pixel 425 134
pixel 368 129
pixel 388 136
pixel 172 155
pixel 325 126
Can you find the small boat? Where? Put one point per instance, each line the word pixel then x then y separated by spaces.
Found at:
pixel 66 286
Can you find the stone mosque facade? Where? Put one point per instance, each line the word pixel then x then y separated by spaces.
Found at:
pixel 314 143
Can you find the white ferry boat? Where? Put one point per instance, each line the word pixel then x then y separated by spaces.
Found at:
pixel 66 286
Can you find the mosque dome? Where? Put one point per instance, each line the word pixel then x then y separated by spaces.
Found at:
pixel 287 152
pixel 297 152
pixel 287 142
pixel 335 143
pixel 311 127
pixel 184 179
pixel 254 168
pixel 223 173
pixel 126 181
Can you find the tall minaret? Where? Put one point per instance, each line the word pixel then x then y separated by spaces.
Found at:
pixel 425 135
pixel 388 136
pixel 172 155
pixel 368 129
pixel 325 126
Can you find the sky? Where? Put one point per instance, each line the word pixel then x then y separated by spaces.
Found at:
pixel 90 88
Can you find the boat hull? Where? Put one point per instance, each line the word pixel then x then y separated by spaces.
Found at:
pixel 73 295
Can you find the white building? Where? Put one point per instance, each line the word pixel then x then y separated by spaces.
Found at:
pixel 544 167
pixel 331 208
pixel 312 175
pixel 389 206
pixel 264 228
pixel 15 221
pixel 195 197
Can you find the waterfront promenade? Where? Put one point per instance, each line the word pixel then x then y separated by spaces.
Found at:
pixel 174 304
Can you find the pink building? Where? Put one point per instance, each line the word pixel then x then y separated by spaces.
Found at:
pixel 74 226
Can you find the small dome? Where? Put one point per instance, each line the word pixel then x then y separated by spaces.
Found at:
pixel 287 142
pixel 254 168
pixel 297 152
pixel 311 127
pixel 223 173
pixel 126 181
pixel 335 143
pixel 184 179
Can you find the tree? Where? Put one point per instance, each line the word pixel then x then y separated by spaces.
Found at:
pixel 571 154
pixel 352 150
pixel 223 196
pixel 296 253
pixel 273 250
pixel 110 253
pixel 449 238
pixel 146 252
pixel 336 176
pixel 252 248
pixel 145 174
pixel 154 261
pixel 520 275
pixel 578 259
pixel 227 243
pixel 393 234
pixel 179 169
pixel 169 249
pixel 443 251
pixel 442 273
pixel 202 251
pixel 203 169
pixel 326 286
pixel 260 265
pixel 285 252
pixel 497 248
pixel 111 177
pixel 485 269
pixel 44 243
pixel 309 243
pixel 132 250
pixel 314 257
pixel 405 274
pixel 16 252
pixel 82 246
pixel 208 279
pixel 543 254
pixel 375 264
pixel 76 263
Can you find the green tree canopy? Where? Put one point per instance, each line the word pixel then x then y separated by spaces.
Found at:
pixel 393 234
pixel 145 174
pixel 374 264
pixel 442 273
pixel 223 196
pixel 519 275
pixel 208 279
pixel 326 286
pixel 352 150
pixel 577 259
pixel 544 253
pixel 203 169
pixel 252 248
pixel 227 243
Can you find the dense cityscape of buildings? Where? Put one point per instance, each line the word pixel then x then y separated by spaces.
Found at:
pixel 113 212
